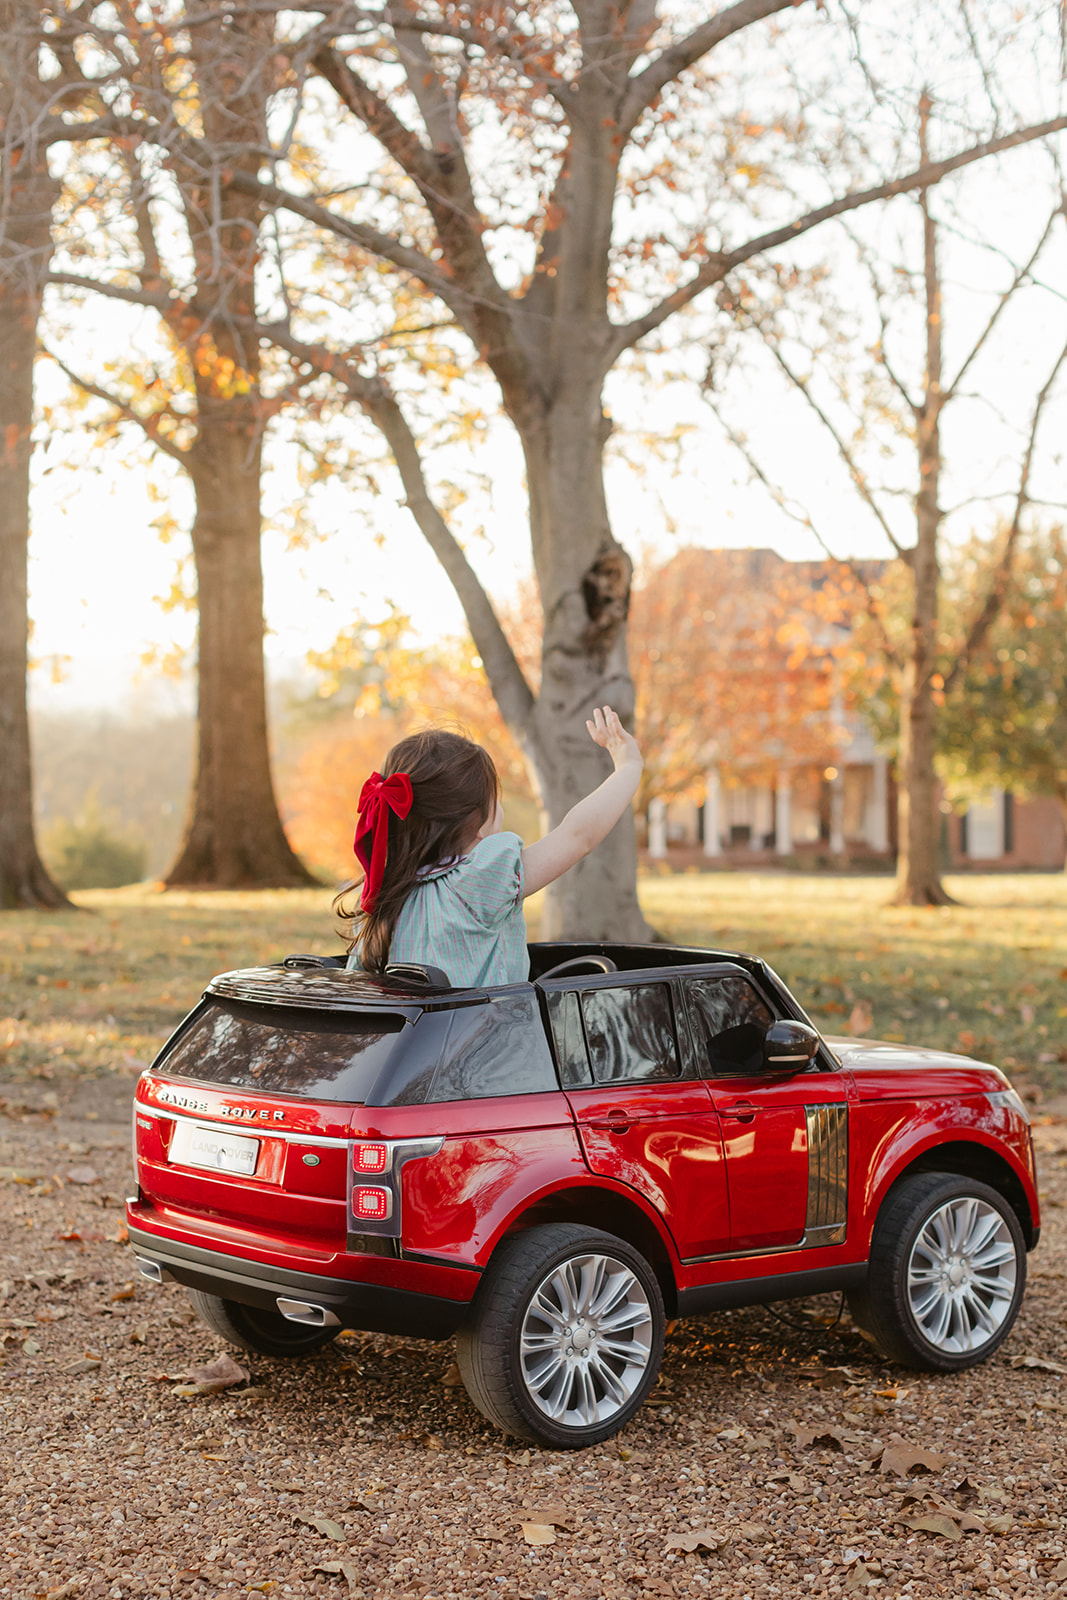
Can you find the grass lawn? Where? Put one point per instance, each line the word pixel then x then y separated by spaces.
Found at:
pixel 98 991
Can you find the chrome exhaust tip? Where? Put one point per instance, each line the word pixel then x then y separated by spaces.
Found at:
pixel 152 1270
pixel 301 1311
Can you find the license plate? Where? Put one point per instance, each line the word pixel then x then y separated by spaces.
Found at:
pixel 194 1145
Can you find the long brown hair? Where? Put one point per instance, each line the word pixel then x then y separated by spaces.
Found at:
pixel 455 789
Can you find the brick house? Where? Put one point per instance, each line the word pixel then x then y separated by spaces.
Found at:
pixel 842 809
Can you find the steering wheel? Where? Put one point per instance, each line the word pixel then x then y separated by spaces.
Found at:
pixel 604 963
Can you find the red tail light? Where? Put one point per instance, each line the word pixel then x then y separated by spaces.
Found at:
pixel 371 1157
pixel 372 1205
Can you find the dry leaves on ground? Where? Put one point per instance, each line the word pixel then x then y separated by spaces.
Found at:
pixel 324 1525
pixel 1041 1362
pixel 341 1569
pixel 538 1532
pixel 902 1459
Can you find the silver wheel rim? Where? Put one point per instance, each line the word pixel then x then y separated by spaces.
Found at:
pixel 586 1341
pixel 961 1275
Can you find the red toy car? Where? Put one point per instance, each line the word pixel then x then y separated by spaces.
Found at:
pixel 551 1169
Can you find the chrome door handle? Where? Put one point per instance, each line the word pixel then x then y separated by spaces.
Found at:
pixel 741 1110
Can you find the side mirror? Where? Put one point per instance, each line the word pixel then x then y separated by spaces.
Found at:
pixel 789 1047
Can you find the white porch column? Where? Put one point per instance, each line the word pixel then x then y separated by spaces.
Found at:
pixel 712 808
pixel 837 814
pixel 878 811
pixel 783 820
pixel 657 828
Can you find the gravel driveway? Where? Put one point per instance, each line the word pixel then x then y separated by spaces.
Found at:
pixel 787 1455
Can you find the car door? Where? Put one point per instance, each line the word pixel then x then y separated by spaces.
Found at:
pixel 641 1120
pixel 785 1138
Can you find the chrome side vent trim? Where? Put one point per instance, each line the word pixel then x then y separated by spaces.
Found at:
pixel 827 1215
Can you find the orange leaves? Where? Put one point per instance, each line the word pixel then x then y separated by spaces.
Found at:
pixel 735 659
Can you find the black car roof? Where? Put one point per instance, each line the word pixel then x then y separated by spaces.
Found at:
pixel 331 988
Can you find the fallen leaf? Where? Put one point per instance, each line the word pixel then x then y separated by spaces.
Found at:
pixel 451 1378
pixel 342 1569
pixel 538 1533
pixel 126 1292
pixel 993 1494
pixel 492 1533
pixel 429 1441
pixel 699 1539
pixel 118 1235
pixel 1001 1523
pixel 31 1348
pixel 139 1333
pixel 222 1373
pixel 84 1175
pixel 519 1461
pixel 828 1438
pixel 1037 1361
pixel 324 1525
pixel 934 1522
pixel 553 1517
pixel 89 1364
pixel 794 1480
pixel 902 1459
pixel 749 1530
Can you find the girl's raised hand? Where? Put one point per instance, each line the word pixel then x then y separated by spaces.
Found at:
pixel 606 730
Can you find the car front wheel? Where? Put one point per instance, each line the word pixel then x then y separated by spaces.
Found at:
pixel 566 1337
pixel 947 1273
pixel 265 1333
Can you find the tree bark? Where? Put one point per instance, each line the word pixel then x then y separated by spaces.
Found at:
pixel 235 837
pixel 585 577
pixel 918 867
pixel 25 252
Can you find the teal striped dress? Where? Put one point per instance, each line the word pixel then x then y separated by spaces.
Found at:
pixel 465 916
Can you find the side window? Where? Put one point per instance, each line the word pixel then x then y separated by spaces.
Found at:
pixel 570 1040
pixel 631 1033
pixel 498 1049
pixel 729 1023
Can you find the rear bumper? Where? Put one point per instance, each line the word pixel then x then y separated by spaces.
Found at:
pixel 374 1308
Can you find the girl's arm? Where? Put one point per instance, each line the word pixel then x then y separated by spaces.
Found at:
pixel 593 818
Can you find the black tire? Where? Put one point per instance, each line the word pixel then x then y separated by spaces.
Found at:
pixel 910 1291
pixel 265 1333
pixel 609 1383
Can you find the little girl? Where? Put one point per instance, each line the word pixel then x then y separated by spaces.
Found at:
pixel 443 885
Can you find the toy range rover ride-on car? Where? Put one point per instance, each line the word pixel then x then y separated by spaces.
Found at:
pixel 548 1170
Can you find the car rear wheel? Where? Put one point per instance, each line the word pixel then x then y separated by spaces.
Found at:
pixel 947 1273
pixel 566 1337
pixel 265 1333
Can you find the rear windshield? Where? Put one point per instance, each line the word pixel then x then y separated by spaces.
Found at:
pixel 285 1051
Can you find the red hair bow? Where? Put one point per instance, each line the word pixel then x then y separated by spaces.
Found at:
pixel 377 798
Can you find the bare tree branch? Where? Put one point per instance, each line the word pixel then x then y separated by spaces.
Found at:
pixel 124 411
pixel 721 262
pixel 990 607
pixel 874 610
pixel 674 60
pixel 506 678
pixel 1021 274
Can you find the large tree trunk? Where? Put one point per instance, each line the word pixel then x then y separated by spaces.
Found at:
pixel 918 866
pixel 235 837
pixel 25 251
pixel 584 576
